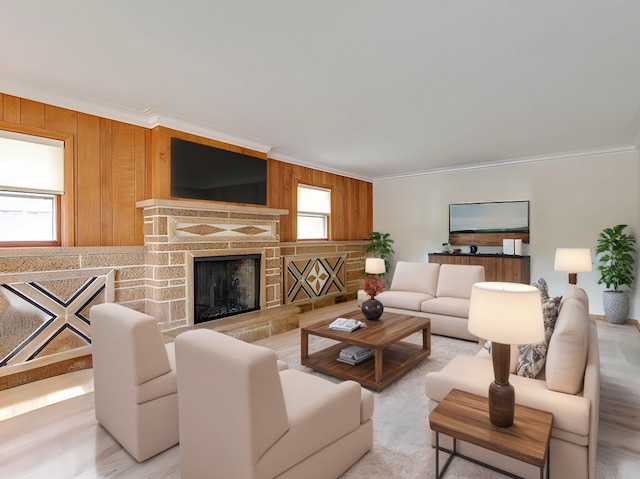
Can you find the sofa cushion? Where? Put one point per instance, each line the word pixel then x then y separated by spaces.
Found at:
pixel 403 299
pixel 472 374
pixel 567 355
pixel 573 292
pixel 415 277
pixel 447 306
pixel 456 280
pixel 533 356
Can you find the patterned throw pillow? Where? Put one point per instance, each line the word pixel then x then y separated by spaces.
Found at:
pixel 532 356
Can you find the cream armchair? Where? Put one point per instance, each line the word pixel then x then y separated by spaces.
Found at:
pixel 135 382
pixel 241 418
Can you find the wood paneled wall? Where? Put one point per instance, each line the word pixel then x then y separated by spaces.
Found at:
pixel 352 200
pixel 108 173
pixel 116 164
pixel 352 205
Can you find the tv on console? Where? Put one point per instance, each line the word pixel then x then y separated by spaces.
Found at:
pixel 488 223
pixel 207 173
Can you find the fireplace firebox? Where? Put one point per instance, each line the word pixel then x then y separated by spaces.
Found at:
pixel 225 286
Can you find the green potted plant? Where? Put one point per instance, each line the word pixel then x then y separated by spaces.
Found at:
pixel 380 243
pixel 616 269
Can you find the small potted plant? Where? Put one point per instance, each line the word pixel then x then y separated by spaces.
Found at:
pixel 616 269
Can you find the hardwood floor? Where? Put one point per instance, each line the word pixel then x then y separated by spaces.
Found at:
pixel 63 440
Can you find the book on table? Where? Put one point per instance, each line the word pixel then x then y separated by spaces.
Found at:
pixel 355 354
pixel 348 325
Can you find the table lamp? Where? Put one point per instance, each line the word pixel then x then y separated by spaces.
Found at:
pixel 573 261
pixel 505 314
pixel 374 266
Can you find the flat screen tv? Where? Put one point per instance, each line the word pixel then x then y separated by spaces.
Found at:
pixel 488 223
pixel 207 173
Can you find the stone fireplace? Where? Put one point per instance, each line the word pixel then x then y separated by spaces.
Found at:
pixel 180 234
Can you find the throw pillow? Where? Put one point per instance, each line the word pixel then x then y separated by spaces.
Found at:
pixel 532 356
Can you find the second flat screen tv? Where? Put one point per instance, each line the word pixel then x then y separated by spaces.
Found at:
pixel 207 173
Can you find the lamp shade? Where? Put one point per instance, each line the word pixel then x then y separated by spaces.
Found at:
pixel 573 260
pixel 506 313
pixel 374 266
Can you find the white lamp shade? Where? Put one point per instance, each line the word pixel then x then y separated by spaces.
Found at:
pixel 507 313
pixel 374 266
pixel 573 260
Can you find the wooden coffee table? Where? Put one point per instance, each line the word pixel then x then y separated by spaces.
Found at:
pixel 393 357
pixel 465 416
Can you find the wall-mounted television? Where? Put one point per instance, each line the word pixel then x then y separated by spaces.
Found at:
pixel 204 172
pixel 488 223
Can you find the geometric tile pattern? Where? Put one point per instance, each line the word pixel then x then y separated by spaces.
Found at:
pixel 37 320
pixel 312 277
pixel 185 230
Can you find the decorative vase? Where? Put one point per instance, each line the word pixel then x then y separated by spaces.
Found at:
pixel 372 309
pixel 616 306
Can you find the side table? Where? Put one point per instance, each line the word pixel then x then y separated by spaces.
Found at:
pixel 465 416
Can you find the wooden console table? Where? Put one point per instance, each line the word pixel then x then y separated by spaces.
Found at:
pixel 497 267
pixel 465 416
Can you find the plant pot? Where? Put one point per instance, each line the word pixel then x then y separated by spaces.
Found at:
pixel 372 309
pixel 616 306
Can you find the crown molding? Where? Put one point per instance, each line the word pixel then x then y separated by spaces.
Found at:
pixel 515 161
pixel 281 156
pixel 149 118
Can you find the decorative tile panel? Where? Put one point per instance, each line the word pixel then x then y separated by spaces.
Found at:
pixel 48 316
pixel 184 229
pixel 310 277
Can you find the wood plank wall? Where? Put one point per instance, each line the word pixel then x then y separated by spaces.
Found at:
pixel 108 170
pixel 352 200
pixel 116 164
pixel 352 208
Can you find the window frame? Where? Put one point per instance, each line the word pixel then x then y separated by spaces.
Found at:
pixel 65 202
pixel 327 216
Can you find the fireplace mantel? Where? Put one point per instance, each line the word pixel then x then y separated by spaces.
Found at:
pixel 209 206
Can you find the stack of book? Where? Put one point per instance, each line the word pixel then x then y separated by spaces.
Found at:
pixel 348 325
pixel 355 355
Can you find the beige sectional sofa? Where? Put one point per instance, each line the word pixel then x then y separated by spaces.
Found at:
pixel 439 292
pixel 568 386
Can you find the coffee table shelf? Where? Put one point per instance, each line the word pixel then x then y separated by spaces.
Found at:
pixel 393 357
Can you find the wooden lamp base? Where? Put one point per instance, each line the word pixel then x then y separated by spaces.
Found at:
pixel 502 398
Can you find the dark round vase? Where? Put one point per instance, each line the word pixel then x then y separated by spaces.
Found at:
pixel 372 309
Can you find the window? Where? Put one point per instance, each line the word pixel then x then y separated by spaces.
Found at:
pixel 314 209
pixel 31 184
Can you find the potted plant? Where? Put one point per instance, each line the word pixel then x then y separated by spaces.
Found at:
pixel 380 243
pixel 616 269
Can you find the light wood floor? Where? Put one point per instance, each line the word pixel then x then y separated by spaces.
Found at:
pixel 48 430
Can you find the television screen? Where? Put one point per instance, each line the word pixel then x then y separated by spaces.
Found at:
pixel 207 173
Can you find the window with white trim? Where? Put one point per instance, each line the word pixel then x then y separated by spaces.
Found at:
pixel 31 182
pixel 314 210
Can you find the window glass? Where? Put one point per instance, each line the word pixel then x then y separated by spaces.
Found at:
pixel 314 208
pixel 27 217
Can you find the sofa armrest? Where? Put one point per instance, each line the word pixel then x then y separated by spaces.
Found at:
pixel 320 412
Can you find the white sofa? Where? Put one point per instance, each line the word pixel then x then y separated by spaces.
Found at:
pixel 568 386
pixel 435 291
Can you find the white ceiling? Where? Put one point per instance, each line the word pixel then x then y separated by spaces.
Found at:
pixel 367 88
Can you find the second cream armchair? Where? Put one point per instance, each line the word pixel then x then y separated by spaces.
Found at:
pixel 242 418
